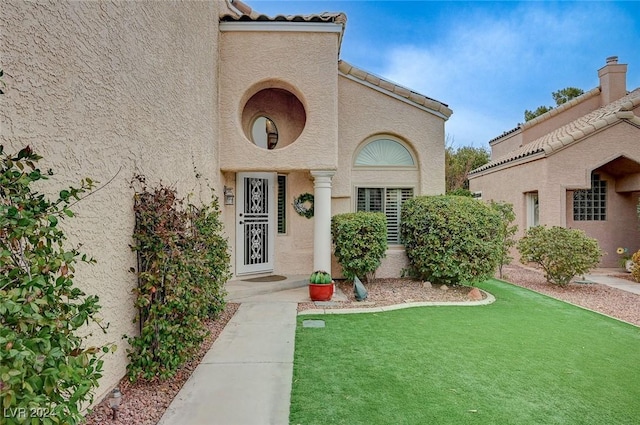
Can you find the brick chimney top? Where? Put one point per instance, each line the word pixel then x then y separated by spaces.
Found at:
pixel 612 59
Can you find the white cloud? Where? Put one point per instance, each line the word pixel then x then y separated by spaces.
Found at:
pixel 490 67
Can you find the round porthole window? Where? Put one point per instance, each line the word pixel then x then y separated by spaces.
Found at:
pixel 273 118
pixel 264 132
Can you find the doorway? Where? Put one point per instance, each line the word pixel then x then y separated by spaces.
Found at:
pixel 255 214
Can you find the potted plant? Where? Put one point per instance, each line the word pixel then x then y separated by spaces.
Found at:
pixel 625 259
pixel 321 286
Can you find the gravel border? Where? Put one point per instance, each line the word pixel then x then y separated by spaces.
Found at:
pixel 604 299
pixel 144 402
pixel 387 292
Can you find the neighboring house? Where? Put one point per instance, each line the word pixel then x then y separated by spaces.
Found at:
pixel 261 108
pixel 576 166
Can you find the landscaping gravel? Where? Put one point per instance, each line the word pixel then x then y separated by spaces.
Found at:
pixel 144 402
pixel 383 292
pixel 604 299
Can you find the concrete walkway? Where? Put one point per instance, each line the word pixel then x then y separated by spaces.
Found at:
pixel 245 378
pixel 603 277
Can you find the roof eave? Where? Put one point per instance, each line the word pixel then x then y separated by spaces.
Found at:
pixel 507 164
pixel 396 91
pixel 561 108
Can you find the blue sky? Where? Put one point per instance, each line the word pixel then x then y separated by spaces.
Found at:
pixel 489 61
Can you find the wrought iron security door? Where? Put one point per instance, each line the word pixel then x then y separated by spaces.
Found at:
pixel 255 223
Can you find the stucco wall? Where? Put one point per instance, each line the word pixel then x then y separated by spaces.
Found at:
pixel 303 63
pixel 621 227
pixel 571 169
pixel 109 90
pixel 294 249
pixel 506 144
pixel 365 112
pixel 619 230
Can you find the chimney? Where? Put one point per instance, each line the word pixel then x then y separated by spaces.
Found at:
pixel 613 81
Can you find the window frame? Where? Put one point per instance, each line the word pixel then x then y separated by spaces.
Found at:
pixel 596 194
pixel 397 241
pixel 388 167
pixel 533 209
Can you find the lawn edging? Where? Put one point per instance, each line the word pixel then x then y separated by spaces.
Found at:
pixel 569 302
pixel 489 299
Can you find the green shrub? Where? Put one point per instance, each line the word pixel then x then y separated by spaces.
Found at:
pixel 451 239
pixel 45 366
pixel 183 263
pixel 360 241
pixel 209 259
pixel 635 271
pixel 460 192
pixel 562 253
pixel 507 231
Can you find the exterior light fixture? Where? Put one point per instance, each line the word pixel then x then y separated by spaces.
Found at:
pixel 228 195
pixel 114 402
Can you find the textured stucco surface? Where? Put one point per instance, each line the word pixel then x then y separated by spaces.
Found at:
pixel 556 176
pixel 340 116
pixel 567 144
pixel 365 113
pixel 113 89
pixel 108 90
pixel 251 61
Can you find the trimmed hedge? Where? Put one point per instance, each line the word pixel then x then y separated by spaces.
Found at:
pixel 360 241
pixel 451 239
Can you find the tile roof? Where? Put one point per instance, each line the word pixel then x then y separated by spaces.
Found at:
pixel 573 132
pixel 551 113
pixel 247 14
pixel 243 13
pixel 561 108
pixel 513 130
pixel 393 88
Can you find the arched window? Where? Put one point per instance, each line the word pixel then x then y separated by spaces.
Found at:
pixel 385 175
pixel 384 152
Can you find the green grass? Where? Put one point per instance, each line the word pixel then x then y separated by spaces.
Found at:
pixel 526 359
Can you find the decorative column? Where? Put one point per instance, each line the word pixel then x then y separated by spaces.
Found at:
pixel 322 219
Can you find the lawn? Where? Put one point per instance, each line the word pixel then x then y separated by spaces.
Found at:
pixel 525 359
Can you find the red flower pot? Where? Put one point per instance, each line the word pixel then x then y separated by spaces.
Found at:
pixel 320 292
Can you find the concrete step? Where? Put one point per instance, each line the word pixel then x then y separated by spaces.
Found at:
pixel 239 289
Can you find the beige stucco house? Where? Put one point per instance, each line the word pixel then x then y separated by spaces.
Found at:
pixel 576 166
pixel 353 140
pixel 262 108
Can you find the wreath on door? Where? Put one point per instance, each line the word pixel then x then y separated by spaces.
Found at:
pixel 303 205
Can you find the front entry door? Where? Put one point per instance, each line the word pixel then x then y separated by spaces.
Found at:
pixel 255 222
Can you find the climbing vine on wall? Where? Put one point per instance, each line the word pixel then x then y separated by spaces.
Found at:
pixel 183 263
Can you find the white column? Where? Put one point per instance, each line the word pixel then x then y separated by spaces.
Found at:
pixel 322 219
